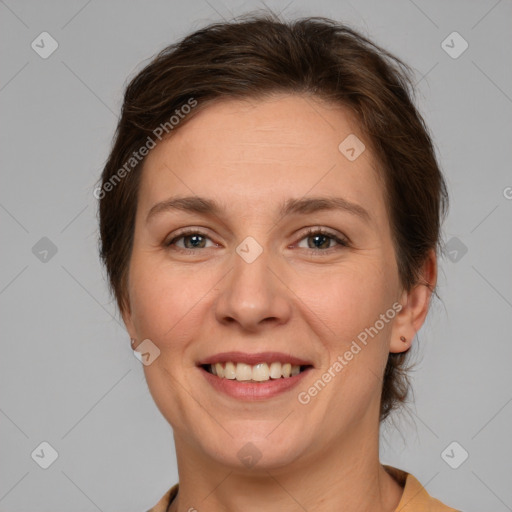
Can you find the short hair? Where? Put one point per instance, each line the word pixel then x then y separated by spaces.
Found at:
pixel 256 56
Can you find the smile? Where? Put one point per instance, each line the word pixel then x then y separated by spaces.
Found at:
pixel 256 376
pixel 260 372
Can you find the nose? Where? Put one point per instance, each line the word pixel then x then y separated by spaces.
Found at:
pixel 253 295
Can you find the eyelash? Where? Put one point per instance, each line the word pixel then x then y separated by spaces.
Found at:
pixel 310 232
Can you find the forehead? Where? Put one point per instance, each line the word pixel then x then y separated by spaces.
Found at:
pixel 262 150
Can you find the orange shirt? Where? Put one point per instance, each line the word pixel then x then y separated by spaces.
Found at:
pixel 414 498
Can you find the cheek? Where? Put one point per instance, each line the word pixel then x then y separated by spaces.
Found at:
pixel 345 301
pixel 166 300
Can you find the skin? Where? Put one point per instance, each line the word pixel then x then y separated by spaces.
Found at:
pixel 250 156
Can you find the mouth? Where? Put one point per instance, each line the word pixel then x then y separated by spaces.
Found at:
pixel 254 376
pixel 260 372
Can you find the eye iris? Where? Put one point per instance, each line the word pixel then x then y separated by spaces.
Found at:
pixel 196 242
pixel 319 236
pixel 320 241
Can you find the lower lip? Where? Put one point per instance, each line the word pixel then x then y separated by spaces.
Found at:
pixel 253 390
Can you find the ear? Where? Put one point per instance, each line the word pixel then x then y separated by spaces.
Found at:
pixel 415 307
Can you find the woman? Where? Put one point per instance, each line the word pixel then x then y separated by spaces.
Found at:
pixel 270 216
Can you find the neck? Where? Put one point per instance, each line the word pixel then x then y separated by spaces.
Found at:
pixel 346 472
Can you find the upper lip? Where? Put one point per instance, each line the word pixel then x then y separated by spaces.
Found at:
pixel 252 359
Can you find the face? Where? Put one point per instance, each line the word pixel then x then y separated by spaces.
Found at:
pixel 271 275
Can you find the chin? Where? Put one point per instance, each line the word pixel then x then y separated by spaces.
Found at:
pixel 250 449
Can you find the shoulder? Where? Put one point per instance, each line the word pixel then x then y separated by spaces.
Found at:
pixel 165 500
pixel 415 498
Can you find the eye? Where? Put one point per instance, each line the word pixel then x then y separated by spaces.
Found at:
pixel 321 240
pixel 318 241
pixel 192 239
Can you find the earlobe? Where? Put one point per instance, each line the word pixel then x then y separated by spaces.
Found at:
pixel 415 304
pixel 402 332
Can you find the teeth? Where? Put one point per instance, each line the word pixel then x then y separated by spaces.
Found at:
pixel 243 371
pixel 230 371
pixel 275 370
pixel 219 370
pixel 260 372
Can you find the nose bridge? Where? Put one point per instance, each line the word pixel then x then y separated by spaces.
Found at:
pixel 252 294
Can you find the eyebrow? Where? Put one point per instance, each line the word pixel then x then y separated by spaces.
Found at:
pixel 303 206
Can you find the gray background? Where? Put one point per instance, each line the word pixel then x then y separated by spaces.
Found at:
pixel 67 373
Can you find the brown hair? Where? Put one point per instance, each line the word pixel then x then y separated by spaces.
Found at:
pixel 260 55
